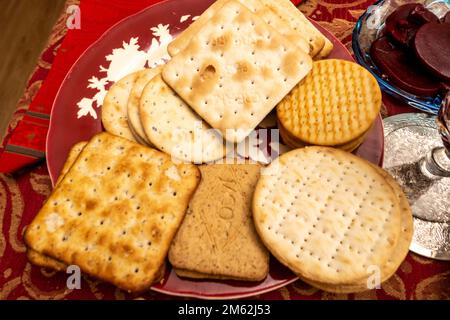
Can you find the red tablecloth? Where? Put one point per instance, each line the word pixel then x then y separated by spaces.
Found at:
pixel 22 194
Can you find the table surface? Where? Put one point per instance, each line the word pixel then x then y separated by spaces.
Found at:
pixel 22 195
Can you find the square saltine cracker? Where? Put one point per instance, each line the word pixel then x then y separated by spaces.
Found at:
pixel 115 212
pixel 235 70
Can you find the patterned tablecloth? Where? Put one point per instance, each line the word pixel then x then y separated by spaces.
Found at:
pixel 22 194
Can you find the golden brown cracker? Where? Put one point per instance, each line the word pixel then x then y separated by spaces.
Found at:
pixel 337 102
pixel 115 212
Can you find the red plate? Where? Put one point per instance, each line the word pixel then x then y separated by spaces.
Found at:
pixel 76 116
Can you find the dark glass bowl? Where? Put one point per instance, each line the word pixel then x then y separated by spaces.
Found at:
pixel 368 29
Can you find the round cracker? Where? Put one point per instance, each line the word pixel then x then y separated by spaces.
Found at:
pixel 326 214
pixel 336 103
pixel 400 251
pixel 134 119
pixel 173 127
pixel 114 108
pixel 137 137
pixel 294 143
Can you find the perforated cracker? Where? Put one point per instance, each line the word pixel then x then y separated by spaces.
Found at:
pixel 354 144
pixel 137 137
pixel 337 102
pixel 217 238
pixel 297 22
pixel 35 257
pixel 236 70
pixel 71 157
pixel 295 143
pixel 173 127
pixel 44 261
pixel 400 251
pixel 407 227
pixel 134 118
pixel 263 10
pixel 182 40
pixel 41 260
pixel 326 50
pixel 326 214
pixel 115 212
pixel 114 108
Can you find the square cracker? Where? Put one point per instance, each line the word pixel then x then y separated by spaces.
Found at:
pixel 309 42
pixel 44 261
pixel 217 238
pixel 236 70
pixel 115 212
pixel 286 10
pixel 71 157
pixel 35 257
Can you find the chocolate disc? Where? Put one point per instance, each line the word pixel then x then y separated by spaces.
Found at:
pixel 432 46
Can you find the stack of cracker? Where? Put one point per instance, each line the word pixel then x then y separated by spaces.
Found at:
pixel 217 239
pixel 236 68
pixel 338 222
pixel 282 15
pixel 142 108
pixel 113 213
pixel 173 127
pixel 229 69
pixel 335 106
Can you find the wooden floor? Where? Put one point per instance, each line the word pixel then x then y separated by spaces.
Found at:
pixel 25 26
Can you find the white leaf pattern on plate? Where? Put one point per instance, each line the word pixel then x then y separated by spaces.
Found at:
pixel 125 60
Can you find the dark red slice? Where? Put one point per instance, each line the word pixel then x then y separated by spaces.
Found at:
pixel 446 18
pixel 403 23
pixel 432 47
pixel 403 69
pixel 421 15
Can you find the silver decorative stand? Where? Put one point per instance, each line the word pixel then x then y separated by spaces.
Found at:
pixel 415 157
